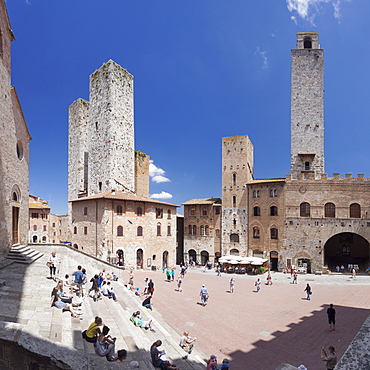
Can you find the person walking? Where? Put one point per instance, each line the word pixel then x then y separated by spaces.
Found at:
pixel 330 358
pixel 150 287
pixel 353 273
pixel 218 270
pixel 331 317
pixel 269 279
pixel 295 278
pixel 179 282
pixel 258 285
pixel 204 295
pixel 52 264
pixel 308 290
pixel 232 284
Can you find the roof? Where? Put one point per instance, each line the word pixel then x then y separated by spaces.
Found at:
pixel 119 195
pixel 216 201
pixel 38 206
pixel 261 181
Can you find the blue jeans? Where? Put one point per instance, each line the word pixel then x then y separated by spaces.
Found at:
pixel 111 295
pixel 149 306
pixel 204 298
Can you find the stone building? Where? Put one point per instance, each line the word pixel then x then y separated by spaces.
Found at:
pixel 14 153
pixel 202 229
pixel 44 226
pixel 108 181
pixel 306 218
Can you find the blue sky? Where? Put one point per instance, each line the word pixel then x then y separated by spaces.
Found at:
pixel 203 70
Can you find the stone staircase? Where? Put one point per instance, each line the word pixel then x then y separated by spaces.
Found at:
pixel 23 254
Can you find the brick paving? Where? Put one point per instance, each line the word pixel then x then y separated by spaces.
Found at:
pixel 263 330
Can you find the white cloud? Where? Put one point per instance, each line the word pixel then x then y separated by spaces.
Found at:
pixel 157 173
pixel 307 9
pixel 293 18
pixel 265 62
pixel 162 195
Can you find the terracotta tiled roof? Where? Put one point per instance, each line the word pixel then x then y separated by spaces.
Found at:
pixel 118 195
pixel 203 201
pixel 260 181
pixel 38 206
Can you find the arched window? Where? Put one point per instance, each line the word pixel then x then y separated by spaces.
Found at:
pixel 15 197
pixel 168 230
pixel 234 178
pixel 139 231
pixel 354 210
pixel 273 211
pixel 274 233
pixel 217 233
pixel 119 230
pixel 34 227
pixel 234 252
pixel 305 210
pixel 75 230
pixel 307 43
pixel 273 193
pixel 256 211
pixel 139 211
pixel 119 210
pixel 329 210
pixel 234 200
pixel 190 229
pixel 158 229
pixel 194 230
pixel 201 230
pixel 257 253
pixel 256 232
pixel 206 230
pixel 168 213
pixel 256 193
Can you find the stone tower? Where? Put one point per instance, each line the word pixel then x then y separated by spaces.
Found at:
pixel 237 171
pixel 307 106
pixel 101 135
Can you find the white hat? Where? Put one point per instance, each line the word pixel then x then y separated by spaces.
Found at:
pixel 134 364
pixel 203 285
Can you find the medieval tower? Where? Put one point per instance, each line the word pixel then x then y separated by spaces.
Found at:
pixel 307 106
pixel 237 171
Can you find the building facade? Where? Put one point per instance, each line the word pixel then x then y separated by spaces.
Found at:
pixel 14 153
pixel 108 180
pixel 306 218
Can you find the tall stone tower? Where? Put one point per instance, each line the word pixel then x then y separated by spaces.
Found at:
pixel 101 153
pixel 237 171
pixel 307 106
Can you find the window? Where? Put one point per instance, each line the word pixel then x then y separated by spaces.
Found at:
pixel 273 193
pixel 119 230
pixel 256 211
pixel 100 185
pixel 34 227
pixel 158 229
pixel 15 197
pixel 234 238
pixel 305 210
pixel 75 230
pixel 234 223
pixel 139 231
pixel 201 230
pixel 273 211
pixel 307 43
pixel 35 215
pixel 139 211
pixel 307 166
pixel 119 210
pixel 204 211
pixel 274 233
pixel 85 230
pixel 256 193
pixel 44 227
pixel 53 224
pixel 194 230
pixel 169 214
pixel 234 178
pixel 206 230
pixel 346 250
pixel 329 210
pixel 354 210
pixel 168 230
pixel 190 230
pixel 192 211
pixel 85 211
pixel 234 200
pixel 159 212
pixel 256 232
pixel 218 210
pixel 217 233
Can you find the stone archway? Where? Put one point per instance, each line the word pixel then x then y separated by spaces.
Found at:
pixel 139 258
pixel 192 255
pixel 346 249
pixel 204 256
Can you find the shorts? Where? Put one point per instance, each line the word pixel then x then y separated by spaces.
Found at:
pixel 332 320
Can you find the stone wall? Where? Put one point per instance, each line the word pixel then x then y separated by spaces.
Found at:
pixel 142 162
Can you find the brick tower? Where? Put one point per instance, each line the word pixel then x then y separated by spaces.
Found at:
pixel 307 106
pixel 237 171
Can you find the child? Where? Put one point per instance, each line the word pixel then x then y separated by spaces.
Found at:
pixel 179 282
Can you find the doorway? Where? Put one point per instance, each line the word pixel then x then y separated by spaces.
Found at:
pixel 15 222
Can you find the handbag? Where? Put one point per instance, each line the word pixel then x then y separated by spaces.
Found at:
pixel 48 264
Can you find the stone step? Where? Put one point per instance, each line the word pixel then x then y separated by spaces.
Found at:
pixel 23 254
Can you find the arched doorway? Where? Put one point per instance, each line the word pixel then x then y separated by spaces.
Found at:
pixel 204 256
pixel 44 239
pixel 234 252
pixel 257 253
pixel 165 259
pixel 192 255
pixel 139 258
pixel 346 249
pixel 34 239
pixel 274 257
